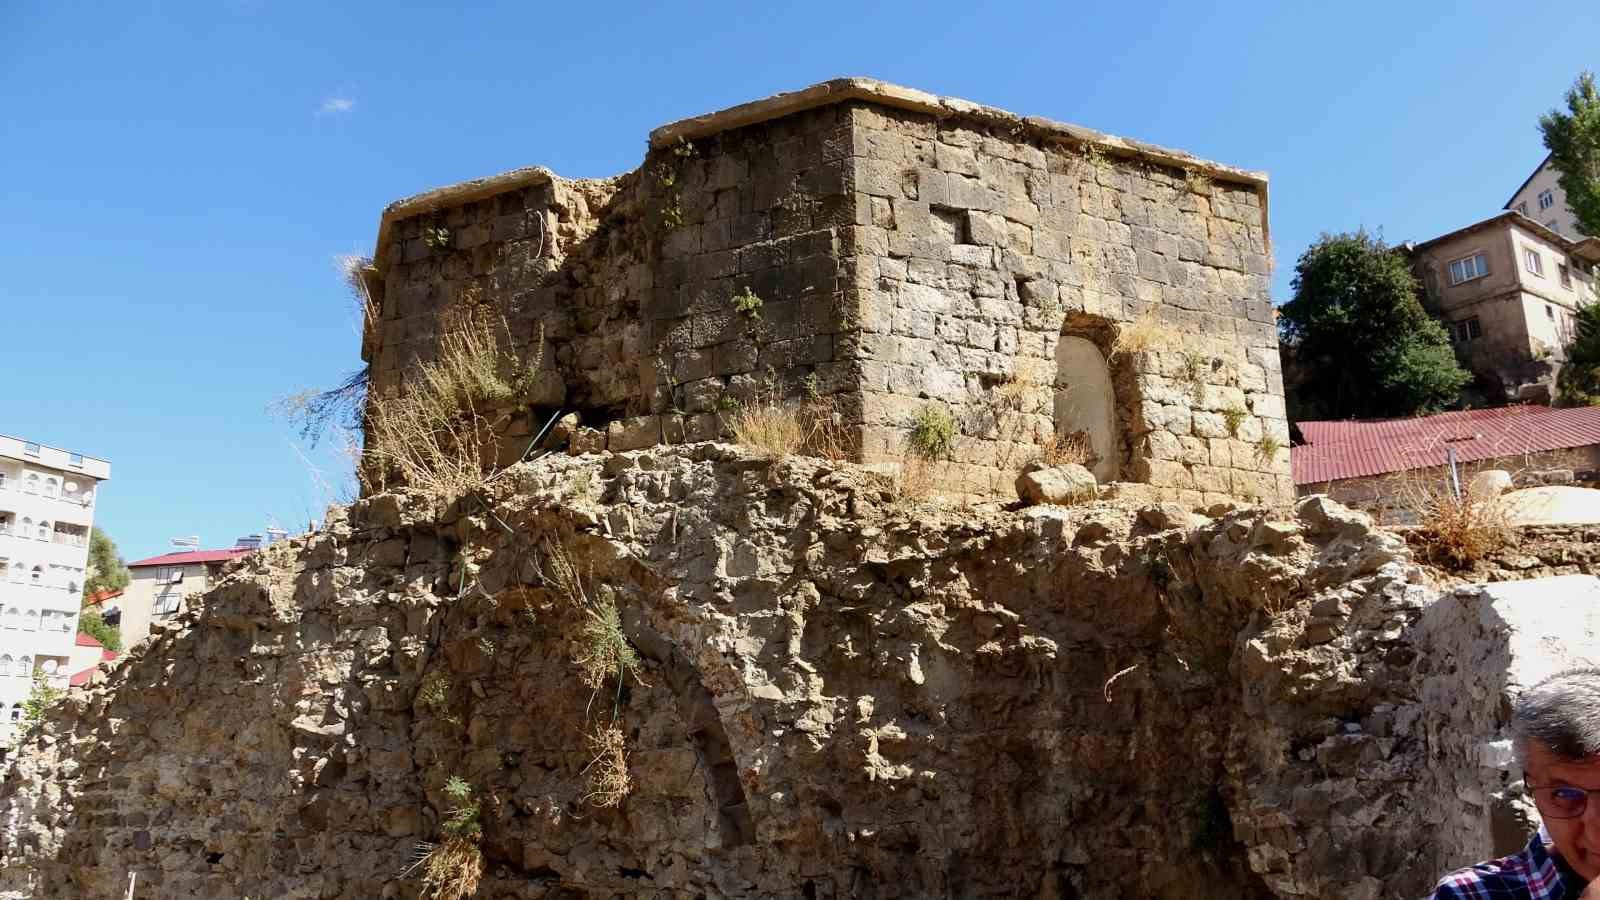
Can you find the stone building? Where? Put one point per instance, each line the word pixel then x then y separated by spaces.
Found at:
pixel 1507 289
pixel 892 250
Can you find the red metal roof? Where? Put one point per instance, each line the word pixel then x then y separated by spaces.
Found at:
pixel 1339 450
pixel 88 640
pixel 100 597
pixel 190 557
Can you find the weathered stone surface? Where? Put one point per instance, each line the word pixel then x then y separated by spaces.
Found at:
pixel 1064 485
pixel 835 689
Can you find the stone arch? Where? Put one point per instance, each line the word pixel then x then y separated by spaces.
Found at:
pixel 1086 402
pixel 1094 392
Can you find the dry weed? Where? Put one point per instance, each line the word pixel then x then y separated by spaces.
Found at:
pixel 1143 334
pixel 1073 449
pixel 777 427
pixel 436 437
pixel 609 782
pixel 603 649
pixel 450 870
pixel 1455 531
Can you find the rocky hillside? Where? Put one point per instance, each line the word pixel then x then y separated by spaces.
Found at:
pixel 820 691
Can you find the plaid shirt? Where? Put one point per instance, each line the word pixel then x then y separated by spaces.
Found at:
pixel 1532 874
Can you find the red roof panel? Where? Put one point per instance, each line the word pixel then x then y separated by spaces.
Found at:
pixel 88 640
pixel 189 558
pixel 1337 450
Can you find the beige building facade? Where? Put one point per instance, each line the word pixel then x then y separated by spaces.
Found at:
pixel 157 587
pixel 1508 289
pixel 1541 199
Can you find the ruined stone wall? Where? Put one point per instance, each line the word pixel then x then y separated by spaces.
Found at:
pixel 561 263
pixel 894 251
pixel 841 695
pixel 983 245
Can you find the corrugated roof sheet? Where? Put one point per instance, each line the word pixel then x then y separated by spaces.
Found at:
pixel 189 557
pixel 1337 450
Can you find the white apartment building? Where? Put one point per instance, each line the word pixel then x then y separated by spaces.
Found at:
pixel 1541 199
pixel 47 501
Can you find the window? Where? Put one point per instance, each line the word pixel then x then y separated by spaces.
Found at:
pixel 1553 225
pixel 30 620
pixel 75 459
pixel 1468 330
pixel 37 575
pixel 1532 261
pixel 25 665
pixel 2 481
pixel 1549 311
pixel 31 448
pixel 1565 271
pixel 44 531
pixel 1475 266
pixel 1523 207
pixel 88 497
pixel 31 483
pixel 1547 199
pixel 50 487
pixel 16 712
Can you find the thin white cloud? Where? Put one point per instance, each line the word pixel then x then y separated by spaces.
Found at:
pixel 336 105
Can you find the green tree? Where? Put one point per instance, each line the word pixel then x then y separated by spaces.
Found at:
pixel 1579 381
pixel 1573 139
pixel 39 698
pixel 92 622
pixel 1358 342
pixel 106 571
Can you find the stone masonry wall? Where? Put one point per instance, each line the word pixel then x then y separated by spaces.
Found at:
pixel 978 244
pixel 905 252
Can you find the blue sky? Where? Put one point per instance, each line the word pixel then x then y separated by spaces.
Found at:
pixel 178 177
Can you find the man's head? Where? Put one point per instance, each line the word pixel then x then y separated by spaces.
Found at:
pixel 1556 725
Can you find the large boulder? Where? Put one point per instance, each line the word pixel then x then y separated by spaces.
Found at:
pixel 1061 485
pixel 1489 483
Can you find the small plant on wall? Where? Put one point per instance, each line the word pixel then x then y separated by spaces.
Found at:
pixel 437 237
pixel 747 304
pixel 1233 417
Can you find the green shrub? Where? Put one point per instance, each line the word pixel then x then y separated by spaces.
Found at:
pixel 933 433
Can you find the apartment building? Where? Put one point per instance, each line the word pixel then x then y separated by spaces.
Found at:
pixel 47 503
pixel 1508 288
pixel 1541 199
pixel 157 587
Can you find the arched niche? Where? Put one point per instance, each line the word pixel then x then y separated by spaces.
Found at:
pixel 1085 401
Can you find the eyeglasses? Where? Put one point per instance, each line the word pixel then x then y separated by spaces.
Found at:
pixel 1562 802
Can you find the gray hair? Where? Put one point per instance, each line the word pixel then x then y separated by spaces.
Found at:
pixel 1562 712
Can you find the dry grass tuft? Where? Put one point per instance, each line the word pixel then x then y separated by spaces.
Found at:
pixel 777 427
pixel 609 782
pixel 450 870
pixel 436 437
pixel 1061 450
pixel 1142 335
pixel 1455 531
